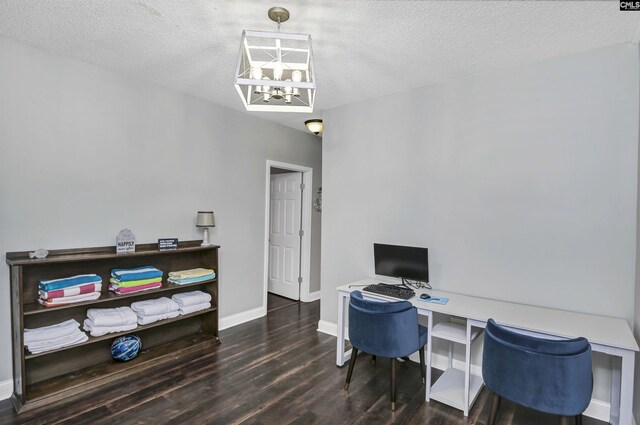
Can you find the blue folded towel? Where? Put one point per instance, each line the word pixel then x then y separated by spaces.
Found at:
pixel 65 282
pixel 138 273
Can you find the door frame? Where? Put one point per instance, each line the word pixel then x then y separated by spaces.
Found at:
pixel 305 249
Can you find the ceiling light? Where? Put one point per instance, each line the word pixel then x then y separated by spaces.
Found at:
pixel 275 70
pixel 315 126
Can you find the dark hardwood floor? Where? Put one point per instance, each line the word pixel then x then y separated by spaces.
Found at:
pixel 276 302
pixel 273 370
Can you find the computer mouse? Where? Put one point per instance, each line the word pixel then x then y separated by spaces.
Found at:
pixel 425 296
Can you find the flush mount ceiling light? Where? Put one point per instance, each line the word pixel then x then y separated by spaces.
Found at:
pixel 315 126
pixel 275 70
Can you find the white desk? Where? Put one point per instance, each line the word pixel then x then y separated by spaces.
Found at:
pixel 607 335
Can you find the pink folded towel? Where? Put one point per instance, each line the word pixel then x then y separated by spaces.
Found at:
pixel 127 290
pixel 72 290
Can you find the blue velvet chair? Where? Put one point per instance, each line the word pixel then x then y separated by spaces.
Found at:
pixel 384 329
pixel 551 376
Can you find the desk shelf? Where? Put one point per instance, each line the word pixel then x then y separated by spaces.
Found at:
pixel 449 388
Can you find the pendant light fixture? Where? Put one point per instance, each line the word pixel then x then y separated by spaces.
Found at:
pixel 275 70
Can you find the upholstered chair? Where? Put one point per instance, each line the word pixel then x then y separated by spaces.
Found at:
pixel 551 376
pixel 384 329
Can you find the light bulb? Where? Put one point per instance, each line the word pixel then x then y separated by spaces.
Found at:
pixel 277 71
pixel 265 97
pixel 296 92
pixel 265 88
pixel 256 73
pixel 287 93
pixel 296 76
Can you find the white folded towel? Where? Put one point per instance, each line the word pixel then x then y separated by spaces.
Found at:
pixel 154 307
pixel 185 299
pixel 193 308
pixel 47 333
pixel 105 317
pixel 76 338
pixel 94 330
pixel 145 320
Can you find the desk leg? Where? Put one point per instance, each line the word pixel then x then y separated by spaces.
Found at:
pixel 467 369
pixel 427 387
pixel 622 376
pixel 341 356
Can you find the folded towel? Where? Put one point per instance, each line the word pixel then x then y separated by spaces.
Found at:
pixel 101 317
pixel 76 338
pixel 94 330
pixel 48 285
pixel 192 279
pixel 145 320
pixel 138 273
pixel 46 333
pixel 127 290
pixel 131 283
pixel 71 290
pixel 51 302
pixel 154 307
pixel 193 308
pixel 191 273
pixel 185 299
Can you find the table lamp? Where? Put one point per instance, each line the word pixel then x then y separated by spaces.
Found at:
pixel 205 220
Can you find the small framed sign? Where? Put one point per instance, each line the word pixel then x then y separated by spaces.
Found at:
pixel 125 242
pixel 167 244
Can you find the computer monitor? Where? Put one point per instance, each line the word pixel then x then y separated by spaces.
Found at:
pixel 407 262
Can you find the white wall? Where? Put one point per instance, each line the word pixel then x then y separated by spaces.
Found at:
pixel 522 183
pixel 85 152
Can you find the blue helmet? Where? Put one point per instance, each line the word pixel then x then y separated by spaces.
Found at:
pixel 125 348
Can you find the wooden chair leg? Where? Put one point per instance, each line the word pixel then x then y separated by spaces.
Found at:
pixel 422 368
pixel 495 405
pixel 352 363
pixel 373 359
pixel 579 420
pixel 393 384
pixel 566 420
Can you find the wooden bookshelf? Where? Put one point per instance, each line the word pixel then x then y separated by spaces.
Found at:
pixel 49 377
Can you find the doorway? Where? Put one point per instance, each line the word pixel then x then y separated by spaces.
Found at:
pixel 287 232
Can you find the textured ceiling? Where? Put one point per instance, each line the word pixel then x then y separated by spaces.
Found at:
pixel 362 49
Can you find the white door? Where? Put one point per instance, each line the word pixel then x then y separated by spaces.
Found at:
pixel 284 234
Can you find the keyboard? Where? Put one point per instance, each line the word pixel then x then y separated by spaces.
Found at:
pixel 393 291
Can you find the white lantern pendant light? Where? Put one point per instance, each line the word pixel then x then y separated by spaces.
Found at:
pixel 275 70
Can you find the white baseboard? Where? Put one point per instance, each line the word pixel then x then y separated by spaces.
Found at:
pixel 328 328
pixel 313 296
pixel 6 389
pixel 239 318
pixel 598 409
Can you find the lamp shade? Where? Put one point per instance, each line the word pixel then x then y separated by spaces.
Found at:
pixel 205 219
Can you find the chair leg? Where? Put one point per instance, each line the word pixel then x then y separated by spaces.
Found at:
pixel 578 419
pixel 566 420
pixel 373 360
pixel 393 384
pixel 422 368
pixel 352 363
pixel 495 405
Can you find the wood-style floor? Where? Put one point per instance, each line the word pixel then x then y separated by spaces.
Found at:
pixel 273 370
